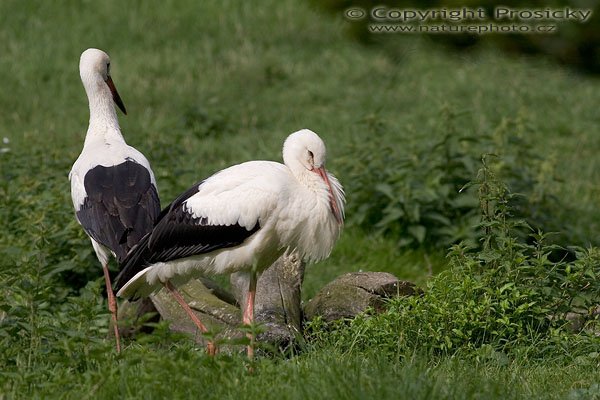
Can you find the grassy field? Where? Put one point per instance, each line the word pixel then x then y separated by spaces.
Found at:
pixel 210 85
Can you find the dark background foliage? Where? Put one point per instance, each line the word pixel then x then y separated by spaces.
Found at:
pixel 574 44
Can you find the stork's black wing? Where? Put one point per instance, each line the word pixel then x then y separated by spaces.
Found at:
pixel 121 206
pixel 178 234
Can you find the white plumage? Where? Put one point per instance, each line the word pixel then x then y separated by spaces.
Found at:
pixel 112 185
pixel 242 219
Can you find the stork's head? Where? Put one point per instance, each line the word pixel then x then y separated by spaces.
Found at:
pixel 94 69
pixel 304 153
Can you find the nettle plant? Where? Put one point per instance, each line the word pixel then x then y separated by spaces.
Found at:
pixel 506 298
pixel 413 193
pixel 420 193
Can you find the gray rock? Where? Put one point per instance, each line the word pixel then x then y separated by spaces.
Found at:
pixel 134 315
pixel 581 319
pixel 352 293
pixel 220 317
pixel 277 305
pixel 278 297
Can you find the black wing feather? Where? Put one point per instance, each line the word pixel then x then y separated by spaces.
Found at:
pixel 178 234
pixel 121 206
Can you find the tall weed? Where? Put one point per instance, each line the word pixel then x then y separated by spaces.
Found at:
pixel 506 298
pixel 418 192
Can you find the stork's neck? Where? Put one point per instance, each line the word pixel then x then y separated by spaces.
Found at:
pixel 305 177
pixel 308 179
pixel 104 124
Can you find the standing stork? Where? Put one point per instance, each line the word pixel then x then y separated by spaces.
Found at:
pixel 241 219
pixel 112 186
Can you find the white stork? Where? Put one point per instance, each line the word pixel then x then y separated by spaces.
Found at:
pixel 241 219
pixel 112 186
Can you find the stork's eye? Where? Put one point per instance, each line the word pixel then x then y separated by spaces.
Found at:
pixel 311 156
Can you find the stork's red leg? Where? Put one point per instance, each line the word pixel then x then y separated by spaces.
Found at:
pixel 211 349
pixel 248 316
pixel 112 306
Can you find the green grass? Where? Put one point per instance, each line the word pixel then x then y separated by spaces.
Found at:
pixel 209 85
pixel 183 372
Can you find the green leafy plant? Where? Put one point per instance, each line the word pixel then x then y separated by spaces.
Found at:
pixel 413 193
pixel 506 298
pixel 420 194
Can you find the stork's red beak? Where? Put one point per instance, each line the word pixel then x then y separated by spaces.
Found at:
pixel 115 95
pixel 335 209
